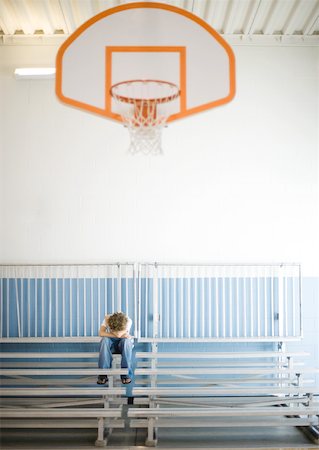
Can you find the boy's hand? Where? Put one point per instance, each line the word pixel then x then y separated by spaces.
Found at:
pixel 119 334
pixel 123 334
pixel 126 335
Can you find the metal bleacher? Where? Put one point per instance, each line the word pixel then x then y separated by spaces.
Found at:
pixel 214 343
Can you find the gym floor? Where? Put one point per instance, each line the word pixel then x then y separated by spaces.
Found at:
pixel 131 439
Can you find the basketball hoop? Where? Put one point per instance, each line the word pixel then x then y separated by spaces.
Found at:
pixel 142 108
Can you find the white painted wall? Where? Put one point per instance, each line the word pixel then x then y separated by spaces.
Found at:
pixel 236 184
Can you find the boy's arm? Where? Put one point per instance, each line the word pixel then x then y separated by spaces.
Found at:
pixel 117 334
pixel 102 331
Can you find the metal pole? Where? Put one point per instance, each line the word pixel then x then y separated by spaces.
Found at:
pixel 91 304
pixel 155 301
pixel 174 304
pixel 78 307
pixel 119 288
pixel 265 304
pixel 147 276
pixel 139 299
pixel 50 307
pixel 71 307
pixel 280 302
pixel 258 304
pixel 126 291
pixel 168 312
pixel 57 307
pixel 113 289
pixel 105 297
pixel 230 306
pixel 300 304
pixel 223 304
pixel 210 300
pixel 99 300
pixel 36 308
pixel 285 295
pixel 160 298
pixel 188 302
pixel 195 300
pixel 29 309
pixel 84 305
pixel 137 326
pixel 217 306
pixel 17 305
pixel 251 304
pixel 181 302
pixel 202 304
pixel 1 306
pixel 245 302
pixel 272 309
pixel 22 307
pixel 237 306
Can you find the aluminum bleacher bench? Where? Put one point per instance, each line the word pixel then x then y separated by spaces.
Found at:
pixel 72 418
pixel 59 390
pixel 154 418
pixel 222 389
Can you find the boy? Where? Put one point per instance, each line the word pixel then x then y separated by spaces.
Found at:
pixel 116 338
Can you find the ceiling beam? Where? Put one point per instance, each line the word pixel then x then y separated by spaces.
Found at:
pixel 24 16
pixel 49 21
pixel 290 26
pixel 215 12
pixel 199 8
pixel 253 21
pixel 67 11
pixel 271 20
pixel 8 17
pixel 233 12
pixel 313 21
pixel 82 12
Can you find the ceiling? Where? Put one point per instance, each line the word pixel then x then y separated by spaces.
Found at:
pixel 243 21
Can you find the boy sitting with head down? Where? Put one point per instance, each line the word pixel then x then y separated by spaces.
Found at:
pixel 116 338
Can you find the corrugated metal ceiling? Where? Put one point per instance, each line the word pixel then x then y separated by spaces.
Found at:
pixel 295 20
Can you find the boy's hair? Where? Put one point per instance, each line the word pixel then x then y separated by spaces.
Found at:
pixel 117 321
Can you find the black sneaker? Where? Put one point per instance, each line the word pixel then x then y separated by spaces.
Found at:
pixel 102 379
pixel 125 379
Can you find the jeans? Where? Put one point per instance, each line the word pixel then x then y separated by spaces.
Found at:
pixel 109 346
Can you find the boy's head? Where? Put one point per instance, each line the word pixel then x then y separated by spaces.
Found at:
pixel 117 321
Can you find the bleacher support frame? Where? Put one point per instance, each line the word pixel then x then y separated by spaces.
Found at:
pixel 174 304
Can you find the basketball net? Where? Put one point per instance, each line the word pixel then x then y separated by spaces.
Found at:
pixel 142 108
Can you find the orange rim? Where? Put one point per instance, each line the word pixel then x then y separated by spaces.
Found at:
pixel 133 100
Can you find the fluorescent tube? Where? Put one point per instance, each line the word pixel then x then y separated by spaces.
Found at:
pixel 34 73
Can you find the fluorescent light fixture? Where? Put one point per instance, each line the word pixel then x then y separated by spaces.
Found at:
pixel 34 73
